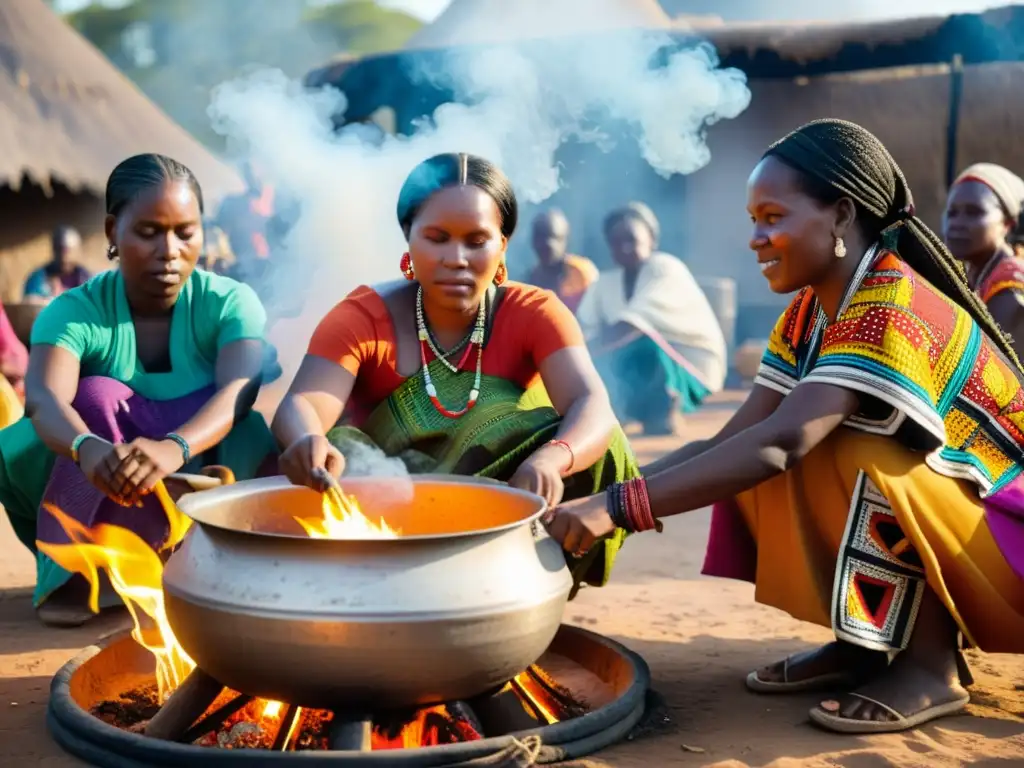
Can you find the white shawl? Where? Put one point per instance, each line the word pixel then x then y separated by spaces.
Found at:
pixel 669 307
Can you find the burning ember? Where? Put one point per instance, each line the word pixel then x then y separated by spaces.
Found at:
pixel 237 721
pixel 343 519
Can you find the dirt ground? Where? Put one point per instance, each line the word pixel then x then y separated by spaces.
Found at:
pixel 700 637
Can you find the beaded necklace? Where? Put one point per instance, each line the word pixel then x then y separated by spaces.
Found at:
pixel 435 349
pixel 476 339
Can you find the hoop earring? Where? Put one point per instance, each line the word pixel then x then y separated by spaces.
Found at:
pixel 406 266
pixel 112 252
pixel 840 249
pixel 501 275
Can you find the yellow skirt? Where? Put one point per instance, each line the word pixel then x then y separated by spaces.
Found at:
pixel 11 409
pixel 851 538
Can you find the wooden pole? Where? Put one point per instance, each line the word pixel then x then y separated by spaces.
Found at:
pixel 956 88
pixel 184 706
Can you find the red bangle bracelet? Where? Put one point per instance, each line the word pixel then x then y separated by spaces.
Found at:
pixel 572 455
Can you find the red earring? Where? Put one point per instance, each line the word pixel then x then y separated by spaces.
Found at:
pixel 501 275
pixel 406 266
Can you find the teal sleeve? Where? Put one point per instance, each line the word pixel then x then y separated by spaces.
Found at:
pixel 70 322
pixel 241 317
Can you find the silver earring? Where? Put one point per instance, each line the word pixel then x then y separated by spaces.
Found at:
pixel 840 248
pixel 112 252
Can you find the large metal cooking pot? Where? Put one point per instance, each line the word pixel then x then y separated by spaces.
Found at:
pixel 467 597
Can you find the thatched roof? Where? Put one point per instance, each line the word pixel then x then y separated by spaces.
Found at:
pixel 69 116
pixel 482 22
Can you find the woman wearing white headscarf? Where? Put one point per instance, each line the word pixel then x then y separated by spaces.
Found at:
pixel 982 215
pixel 652 332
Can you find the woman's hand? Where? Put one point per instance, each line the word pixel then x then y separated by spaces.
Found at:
pixel 98 459
pixel 578 524
pixel 311 453
pixel 541 473
pixel 147 462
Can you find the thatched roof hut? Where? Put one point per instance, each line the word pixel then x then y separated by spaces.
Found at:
pixel 69 116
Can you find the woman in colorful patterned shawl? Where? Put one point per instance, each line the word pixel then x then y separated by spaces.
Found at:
pixel 982 213
pixel 141 371
pixel 567 275
pixel 651 329
pixel 871 482
pixel 456 370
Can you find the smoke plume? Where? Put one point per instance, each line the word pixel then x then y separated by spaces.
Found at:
pixel 519 105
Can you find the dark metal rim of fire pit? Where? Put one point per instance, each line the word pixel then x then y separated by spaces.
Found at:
pixel 107 746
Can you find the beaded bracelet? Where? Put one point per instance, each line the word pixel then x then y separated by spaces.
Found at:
pixel 76 444
pixel 186 451
pixel 629 507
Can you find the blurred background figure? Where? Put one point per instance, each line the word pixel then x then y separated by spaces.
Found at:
pixel 245 219
pixel 567 275
pixel 217 255
pixel 653 334
pixel 13 364
pixel 979 226
pixel 64 270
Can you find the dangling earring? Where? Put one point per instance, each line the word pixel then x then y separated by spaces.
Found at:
pixel 406 266
pixel 501 275
pixel 112 252
pixel 840 248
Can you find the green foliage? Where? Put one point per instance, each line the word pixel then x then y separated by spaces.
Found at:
pixel 191 46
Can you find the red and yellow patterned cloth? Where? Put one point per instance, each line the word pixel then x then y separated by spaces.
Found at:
pixel 1002 273
pixel 930 374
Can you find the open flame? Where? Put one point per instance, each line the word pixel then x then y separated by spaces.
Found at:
pixel 343 519
pixel 136 572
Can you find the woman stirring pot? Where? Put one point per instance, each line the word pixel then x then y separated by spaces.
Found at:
pixel 455 369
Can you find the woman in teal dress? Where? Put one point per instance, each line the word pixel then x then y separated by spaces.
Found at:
pixel 143 371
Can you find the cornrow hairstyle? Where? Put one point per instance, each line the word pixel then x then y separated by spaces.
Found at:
pixel 138 173
pixel 457 170
pixel 837 159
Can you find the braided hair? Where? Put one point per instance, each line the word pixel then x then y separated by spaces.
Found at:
pixel 138 173
pixel 837 159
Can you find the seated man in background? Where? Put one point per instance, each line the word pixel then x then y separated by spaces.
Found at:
pixel 557 270
pixel 64 271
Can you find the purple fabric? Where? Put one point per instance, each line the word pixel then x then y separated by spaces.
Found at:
pixel 1004 513
pixel 111 410
pixel 732 552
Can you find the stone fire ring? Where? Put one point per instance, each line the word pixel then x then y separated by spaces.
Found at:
pixel 125 664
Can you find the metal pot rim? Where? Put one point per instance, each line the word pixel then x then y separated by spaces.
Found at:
pixel 194 505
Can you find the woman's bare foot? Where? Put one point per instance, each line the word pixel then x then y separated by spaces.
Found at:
pixel 835 664
pixel 68 606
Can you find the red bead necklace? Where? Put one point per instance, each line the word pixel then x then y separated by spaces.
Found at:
pixel 476 339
